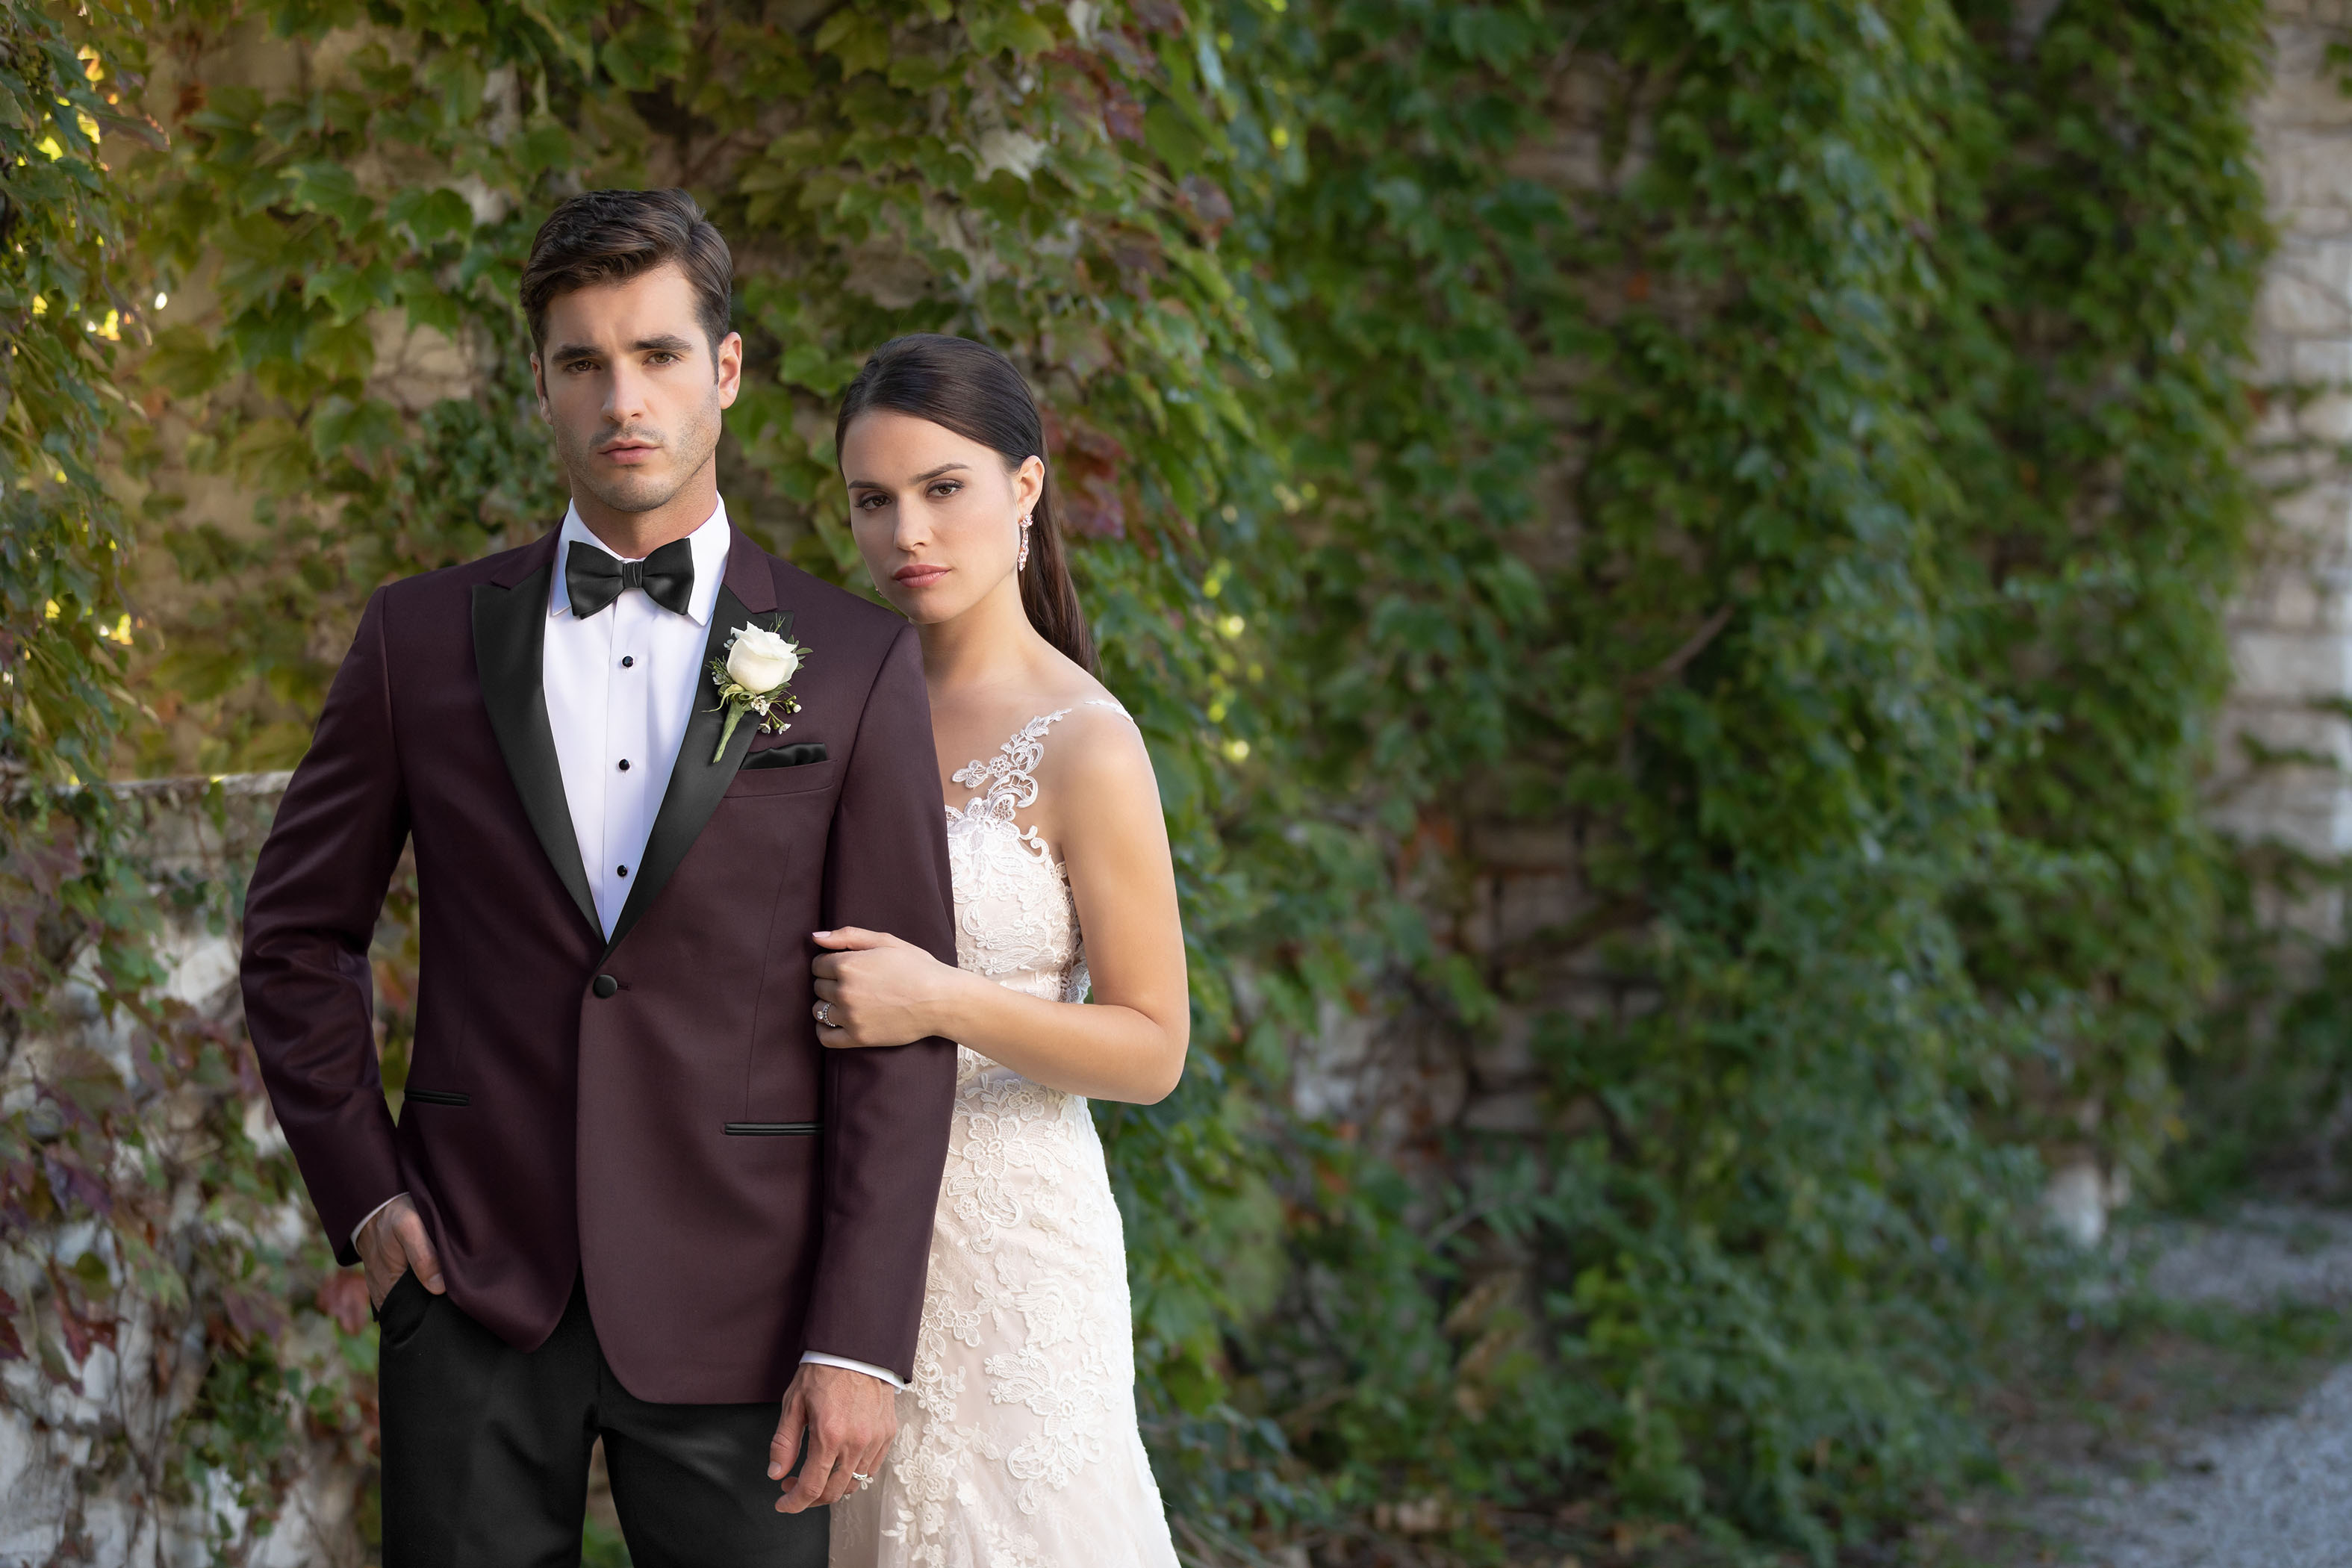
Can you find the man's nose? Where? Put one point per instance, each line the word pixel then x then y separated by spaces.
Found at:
pixel 625 395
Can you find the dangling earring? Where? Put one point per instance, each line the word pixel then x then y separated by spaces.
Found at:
pixel 1021 562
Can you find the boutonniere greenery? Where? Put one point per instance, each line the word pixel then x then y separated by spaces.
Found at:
pixel 752 678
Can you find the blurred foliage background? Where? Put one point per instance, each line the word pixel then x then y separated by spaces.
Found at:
pixel 1786 455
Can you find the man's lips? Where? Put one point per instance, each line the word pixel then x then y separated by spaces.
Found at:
pixel 917 574
pixel 628 452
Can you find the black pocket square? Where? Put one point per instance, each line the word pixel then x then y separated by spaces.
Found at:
pixel 785 756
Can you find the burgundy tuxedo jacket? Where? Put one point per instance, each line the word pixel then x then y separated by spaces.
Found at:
pixel 652 1114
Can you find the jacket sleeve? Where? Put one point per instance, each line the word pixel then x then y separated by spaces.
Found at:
pixel 310 912
pixel 886 1109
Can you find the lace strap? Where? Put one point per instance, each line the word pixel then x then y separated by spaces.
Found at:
pixel 1009 778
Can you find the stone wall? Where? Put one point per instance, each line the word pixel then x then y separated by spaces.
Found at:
pixel 2286 734
pixel 90 1474
pixel 1518 905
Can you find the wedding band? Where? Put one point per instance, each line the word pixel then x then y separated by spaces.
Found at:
pixel 863 1481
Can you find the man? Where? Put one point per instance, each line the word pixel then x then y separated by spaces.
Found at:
pixel 629 1194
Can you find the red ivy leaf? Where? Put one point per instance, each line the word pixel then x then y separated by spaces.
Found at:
pixel 251 1315
pixel 344 1298
pixel 82 1329
pixel 1161 16
pixel 1089 468
pixel 1122 116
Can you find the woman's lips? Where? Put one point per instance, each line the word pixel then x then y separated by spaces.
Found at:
pixel 919 574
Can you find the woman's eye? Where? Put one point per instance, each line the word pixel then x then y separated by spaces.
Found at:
pixel 946 488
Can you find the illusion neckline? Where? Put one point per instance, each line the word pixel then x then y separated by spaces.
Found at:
pixel 1009 775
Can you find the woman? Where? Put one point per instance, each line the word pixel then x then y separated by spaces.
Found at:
pixel 1017 1446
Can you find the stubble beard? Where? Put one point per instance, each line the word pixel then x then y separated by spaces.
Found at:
pixel 624 490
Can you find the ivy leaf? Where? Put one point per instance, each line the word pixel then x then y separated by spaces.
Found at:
pixel 188 361
pixel 271 455
pixel 428 305
pixel 456 78
pixel 364 427
pixel 430 213
pixel 313 18
pixel 1173 139
pixel 861 43
pixel 651 48
pixel 1492 37
pixel 571 46
pixel 546 145
pixel 351 291
pixel 997 25
pixel 332 189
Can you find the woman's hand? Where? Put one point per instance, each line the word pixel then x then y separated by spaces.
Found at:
pixel 873 990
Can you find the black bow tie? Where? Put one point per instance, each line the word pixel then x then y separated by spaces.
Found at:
pixel 593 578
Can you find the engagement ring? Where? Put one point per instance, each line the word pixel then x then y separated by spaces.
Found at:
pixel 863 1481
pixel 825 1013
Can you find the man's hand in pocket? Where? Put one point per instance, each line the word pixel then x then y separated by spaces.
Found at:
pixel 392 1244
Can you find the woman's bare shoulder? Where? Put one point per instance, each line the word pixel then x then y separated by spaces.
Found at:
pixel 1095 746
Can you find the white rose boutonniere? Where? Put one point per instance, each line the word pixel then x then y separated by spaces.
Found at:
pixel 751 679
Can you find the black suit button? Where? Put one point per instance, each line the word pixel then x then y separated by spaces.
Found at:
pixel 605 987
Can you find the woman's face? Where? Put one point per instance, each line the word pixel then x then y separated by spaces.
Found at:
pixel 937 516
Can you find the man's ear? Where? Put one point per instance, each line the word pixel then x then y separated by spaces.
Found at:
pixel 726 368
pixel 539 385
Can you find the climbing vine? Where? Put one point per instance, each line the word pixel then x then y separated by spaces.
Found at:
pixel 1784 456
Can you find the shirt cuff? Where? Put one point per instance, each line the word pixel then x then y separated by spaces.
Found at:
pixel 820 1358
pixel 371 1214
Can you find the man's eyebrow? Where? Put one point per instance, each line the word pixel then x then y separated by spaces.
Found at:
pixel 665 343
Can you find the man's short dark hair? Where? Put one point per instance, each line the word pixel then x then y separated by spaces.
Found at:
pixel 610 236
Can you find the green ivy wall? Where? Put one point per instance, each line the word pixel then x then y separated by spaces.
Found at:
pixel 1671 556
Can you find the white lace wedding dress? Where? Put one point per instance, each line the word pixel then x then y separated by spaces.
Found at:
pixel 1017 1445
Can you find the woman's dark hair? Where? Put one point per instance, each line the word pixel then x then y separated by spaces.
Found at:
pixel 974 390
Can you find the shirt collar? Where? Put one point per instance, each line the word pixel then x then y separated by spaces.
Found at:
pixel 710 544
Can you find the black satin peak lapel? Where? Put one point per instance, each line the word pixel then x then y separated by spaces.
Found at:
pixel 696 782
pixel 509 632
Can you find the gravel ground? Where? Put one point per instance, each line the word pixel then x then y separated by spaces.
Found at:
pixel 2268 1253
pixel 2273 1493
pixel 2277 1496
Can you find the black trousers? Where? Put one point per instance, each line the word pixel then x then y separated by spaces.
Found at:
pixel 486 1452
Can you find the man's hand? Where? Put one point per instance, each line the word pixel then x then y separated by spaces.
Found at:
pixel 848 1418
pixel 393 1243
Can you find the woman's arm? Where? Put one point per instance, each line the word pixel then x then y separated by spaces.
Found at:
pixel 1128 1043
